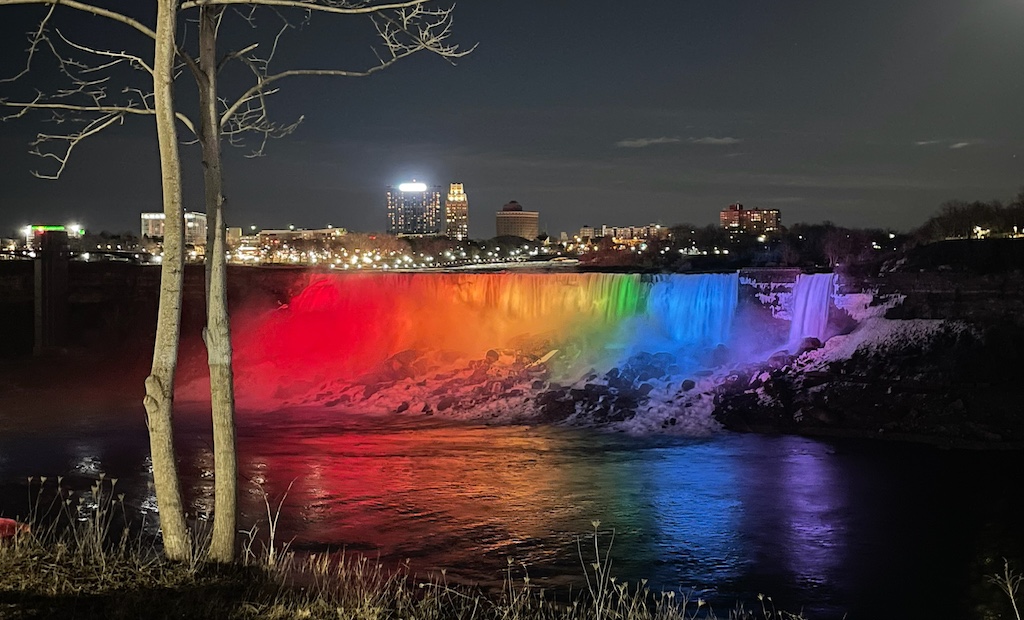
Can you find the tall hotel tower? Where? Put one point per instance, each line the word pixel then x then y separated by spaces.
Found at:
pixel 456 210
pixel 414 210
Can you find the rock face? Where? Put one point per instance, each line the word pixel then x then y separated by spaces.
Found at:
pixel 929 380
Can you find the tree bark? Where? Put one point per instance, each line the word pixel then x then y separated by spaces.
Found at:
pixel 217 334
pixel 159 400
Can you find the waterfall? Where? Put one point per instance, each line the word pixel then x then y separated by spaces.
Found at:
pixel 694 310
pixel 812 296
pixel 344 325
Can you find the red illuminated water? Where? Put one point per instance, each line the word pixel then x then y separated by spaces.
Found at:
pixel 876 530
pixel 339 331
pixel 828 527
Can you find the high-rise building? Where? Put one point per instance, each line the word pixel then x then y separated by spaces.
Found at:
pixel 456 211
pixel 414 210
pixel 195 227
pixel 512 221
pixel 750 220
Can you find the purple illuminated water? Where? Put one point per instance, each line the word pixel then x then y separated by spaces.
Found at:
pixel 812 296
pixel 876 530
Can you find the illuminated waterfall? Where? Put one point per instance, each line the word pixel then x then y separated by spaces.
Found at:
pixel 694 310
pixel 812 296
pixel 344 326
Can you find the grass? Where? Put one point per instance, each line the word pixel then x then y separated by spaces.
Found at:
pixel 81 560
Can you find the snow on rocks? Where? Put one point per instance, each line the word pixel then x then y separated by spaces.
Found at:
pixel 867 305
pixel 645 394
pixel 877 336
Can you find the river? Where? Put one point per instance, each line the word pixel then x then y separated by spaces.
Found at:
pixel 872 529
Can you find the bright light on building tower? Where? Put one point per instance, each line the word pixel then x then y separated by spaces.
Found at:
pixel 414 209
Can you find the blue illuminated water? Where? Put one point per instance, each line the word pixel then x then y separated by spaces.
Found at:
pixel 692 310
pixel 877 530
pixel 831 527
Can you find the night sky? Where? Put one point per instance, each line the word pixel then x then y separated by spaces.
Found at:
pixel 866 113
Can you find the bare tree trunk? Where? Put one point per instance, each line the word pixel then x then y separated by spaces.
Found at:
pixel 159 400
pixel 217 334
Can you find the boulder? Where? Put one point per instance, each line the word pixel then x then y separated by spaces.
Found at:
pixel 445 403
pixel 720 356
pixel 557 410
pixel 664 359
pixel 808 344
pixel 779 359
pixel 406 357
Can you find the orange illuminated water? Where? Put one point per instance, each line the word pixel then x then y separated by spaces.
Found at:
pixel 829 527
pixel 341 327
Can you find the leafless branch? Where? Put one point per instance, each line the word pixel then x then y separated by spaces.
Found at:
pixel 35 38
pixel 83 103
pixel 323 6
pixel 403 29
pixel 72 140
pixel 135 61
pixel 94 10
pixel 236 55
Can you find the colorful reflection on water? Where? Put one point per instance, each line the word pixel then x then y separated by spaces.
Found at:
pixel 826 526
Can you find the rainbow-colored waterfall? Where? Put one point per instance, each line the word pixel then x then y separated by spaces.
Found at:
pixel 393 342
pixel 350 323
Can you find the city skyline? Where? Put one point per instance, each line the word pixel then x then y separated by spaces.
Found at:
pixel 454 216
pixel 781 106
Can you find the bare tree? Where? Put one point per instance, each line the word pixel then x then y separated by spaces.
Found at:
pixel 85 107
pixel 159 399
pixel 403 28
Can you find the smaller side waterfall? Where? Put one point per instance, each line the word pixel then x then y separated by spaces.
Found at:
pixel 812 296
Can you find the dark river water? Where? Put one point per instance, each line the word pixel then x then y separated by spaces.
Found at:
pixel 868 529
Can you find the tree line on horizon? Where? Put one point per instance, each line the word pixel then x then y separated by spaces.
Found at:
pixel 812 245
pixel 958 219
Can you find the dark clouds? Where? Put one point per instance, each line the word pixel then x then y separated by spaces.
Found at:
pixel 865 113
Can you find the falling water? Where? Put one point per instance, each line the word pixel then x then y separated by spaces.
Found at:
pixel 693 310
pixel 344 327
pixel 812 296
